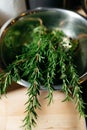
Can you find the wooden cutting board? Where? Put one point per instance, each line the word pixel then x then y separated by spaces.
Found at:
pixel 57 116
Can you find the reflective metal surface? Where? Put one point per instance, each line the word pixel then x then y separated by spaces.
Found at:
pixel 73 25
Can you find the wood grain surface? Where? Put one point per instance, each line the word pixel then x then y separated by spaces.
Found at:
pixel 57 116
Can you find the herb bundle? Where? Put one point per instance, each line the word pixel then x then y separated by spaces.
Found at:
pixel 46 59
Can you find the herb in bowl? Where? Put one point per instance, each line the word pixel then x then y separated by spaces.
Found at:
pixel 44 59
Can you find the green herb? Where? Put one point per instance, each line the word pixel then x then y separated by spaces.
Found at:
pixel 45 59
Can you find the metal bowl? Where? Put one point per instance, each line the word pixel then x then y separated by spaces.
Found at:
pixel 71 23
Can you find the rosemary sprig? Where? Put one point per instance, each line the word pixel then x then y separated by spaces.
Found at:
pixel 52 62
pixel 32 103
pixel 35 75
pixel 69 75
pixel 76 87
pixel 62 62
pixel 5 80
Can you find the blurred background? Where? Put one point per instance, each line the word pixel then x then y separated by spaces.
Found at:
pixel 68 4
pixel 12 8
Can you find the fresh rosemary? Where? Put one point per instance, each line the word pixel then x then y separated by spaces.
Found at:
pixel 45 59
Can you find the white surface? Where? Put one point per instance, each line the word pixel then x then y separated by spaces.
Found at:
pixel 10 9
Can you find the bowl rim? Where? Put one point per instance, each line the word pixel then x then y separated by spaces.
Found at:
pixel 36 10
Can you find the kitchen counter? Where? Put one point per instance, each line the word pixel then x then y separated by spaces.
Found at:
pixel 57 116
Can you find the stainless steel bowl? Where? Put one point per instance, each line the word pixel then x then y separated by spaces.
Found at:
pixel 73 25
